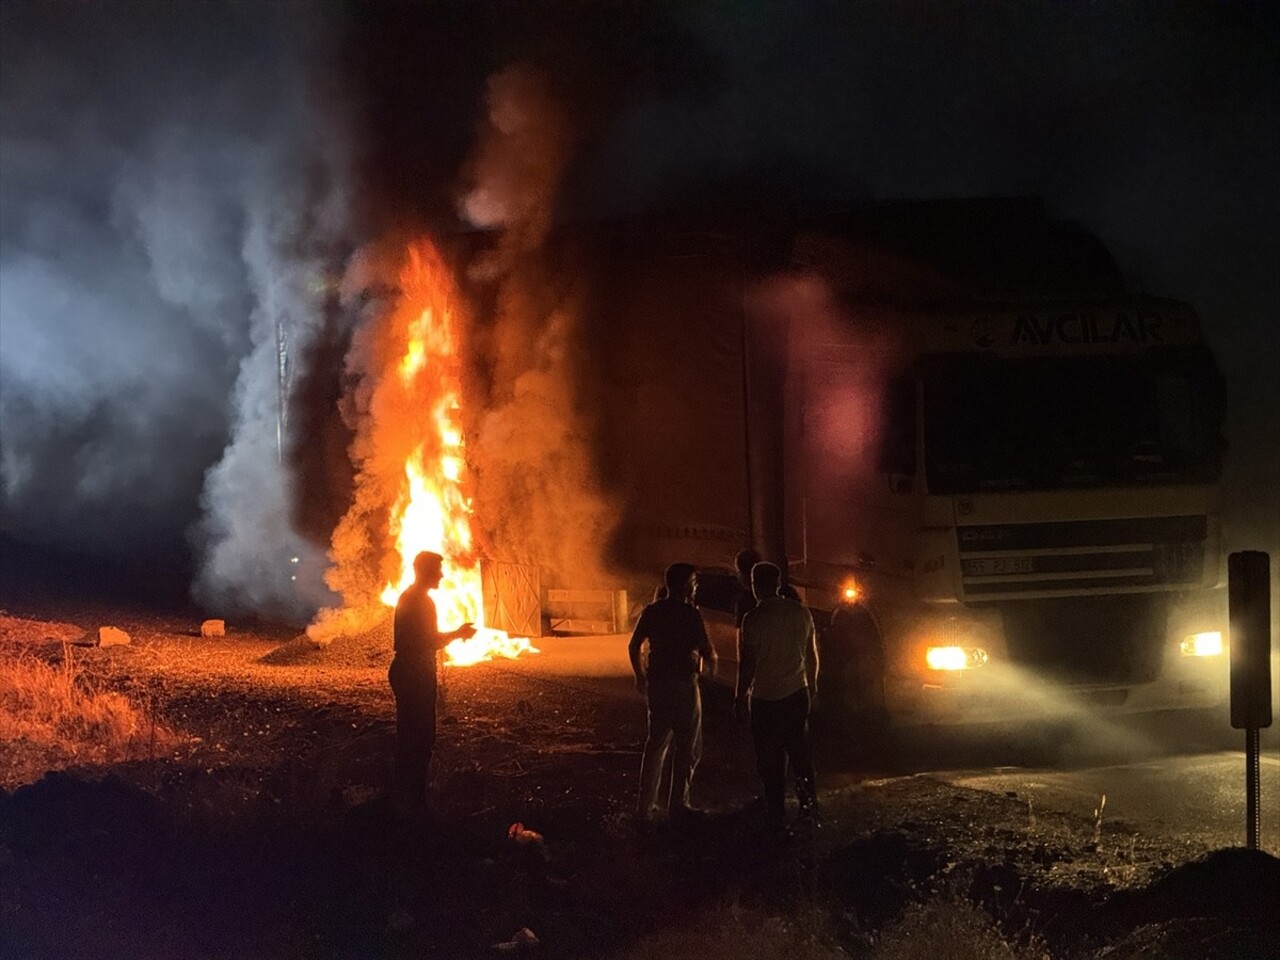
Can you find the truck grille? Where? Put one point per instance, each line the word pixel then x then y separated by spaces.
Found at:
pixel 1072 556
pixel 1087 640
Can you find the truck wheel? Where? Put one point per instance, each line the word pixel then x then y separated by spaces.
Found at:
pixel 851 675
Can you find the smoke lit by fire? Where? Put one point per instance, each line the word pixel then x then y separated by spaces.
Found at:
pixel 433 511
pixel 413 480
pixel 535 499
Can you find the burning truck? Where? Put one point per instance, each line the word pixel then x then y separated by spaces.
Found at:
pixel 990 470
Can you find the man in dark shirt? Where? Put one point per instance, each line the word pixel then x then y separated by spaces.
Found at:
pixel 745 600
pixel 678 648
pixel 418 642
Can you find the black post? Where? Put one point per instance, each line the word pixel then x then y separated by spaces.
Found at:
pixel 1252 788
pixel 1249 600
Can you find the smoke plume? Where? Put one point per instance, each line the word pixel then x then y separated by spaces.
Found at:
pixel 537 491
pixel 166 206
pixel 251 550
pixel 529 481
pixel 172 203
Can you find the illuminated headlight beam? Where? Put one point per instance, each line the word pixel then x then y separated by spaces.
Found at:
pixel 1203 644
pixel 954 658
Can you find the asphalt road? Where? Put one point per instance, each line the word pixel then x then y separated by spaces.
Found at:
pixel 1175 778
pixel 1197 797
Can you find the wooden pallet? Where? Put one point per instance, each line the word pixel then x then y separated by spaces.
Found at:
pixel 586 611
pixel 512 597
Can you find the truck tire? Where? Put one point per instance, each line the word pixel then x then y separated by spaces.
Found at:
pixel 851 674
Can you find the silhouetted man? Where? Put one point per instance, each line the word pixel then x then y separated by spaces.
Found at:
pixel 745 599
pixel 418 642
pixel 777 668
pixel 678 648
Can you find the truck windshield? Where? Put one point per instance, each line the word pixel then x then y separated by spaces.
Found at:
pixel 1038 423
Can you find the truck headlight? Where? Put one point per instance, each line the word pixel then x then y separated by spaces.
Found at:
pixel 1203 644
pixel 954 658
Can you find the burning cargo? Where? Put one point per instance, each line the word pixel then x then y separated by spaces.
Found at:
pixel 412 490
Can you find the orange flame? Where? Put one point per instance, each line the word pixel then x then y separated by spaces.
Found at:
pixel 433 510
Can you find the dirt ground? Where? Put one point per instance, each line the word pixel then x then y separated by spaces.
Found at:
pixel 262 829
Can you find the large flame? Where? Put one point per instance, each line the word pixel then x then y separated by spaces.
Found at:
pixel 433 510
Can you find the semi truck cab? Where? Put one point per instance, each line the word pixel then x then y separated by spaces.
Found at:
pixel 1020 501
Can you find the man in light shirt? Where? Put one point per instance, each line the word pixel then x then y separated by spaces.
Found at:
pixel 746 600
pixel 777 670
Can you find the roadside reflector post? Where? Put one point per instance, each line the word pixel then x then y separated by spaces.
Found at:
pixel 1249 601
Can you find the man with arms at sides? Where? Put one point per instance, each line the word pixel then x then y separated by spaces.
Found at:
pixel 678 647
pixel 777 669
pixel 745 600
pixel 413 677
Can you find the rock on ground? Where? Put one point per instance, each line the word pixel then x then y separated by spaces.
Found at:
pixel 112 637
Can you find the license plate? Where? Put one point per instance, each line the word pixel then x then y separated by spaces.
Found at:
pixel 996 566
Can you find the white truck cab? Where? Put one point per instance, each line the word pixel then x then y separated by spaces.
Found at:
pixel 1023 500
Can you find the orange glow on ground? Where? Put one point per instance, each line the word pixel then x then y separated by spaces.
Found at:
pixel 433 510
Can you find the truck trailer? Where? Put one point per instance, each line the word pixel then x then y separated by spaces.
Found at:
pixel 990 469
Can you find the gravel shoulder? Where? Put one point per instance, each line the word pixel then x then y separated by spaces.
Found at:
pixel 264 830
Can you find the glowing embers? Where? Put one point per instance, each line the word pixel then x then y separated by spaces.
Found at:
pixel 954 658
pixel 1203 644
pixel 433 508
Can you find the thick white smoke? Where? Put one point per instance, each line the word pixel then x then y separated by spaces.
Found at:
pixel 161 208
pixel 253 559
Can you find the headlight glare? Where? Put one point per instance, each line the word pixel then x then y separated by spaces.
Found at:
pixel 954 658
pixel 1203 644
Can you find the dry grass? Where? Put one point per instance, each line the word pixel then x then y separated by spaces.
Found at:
pixel 729 930
pixel 52 717
pixel 947 928
pixel 943 928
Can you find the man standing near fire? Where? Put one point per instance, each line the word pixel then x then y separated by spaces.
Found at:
pixel 777 669
pixel 678 648
pixel 418 642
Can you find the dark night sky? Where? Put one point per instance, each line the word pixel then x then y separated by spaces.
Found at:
pixel 161 168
